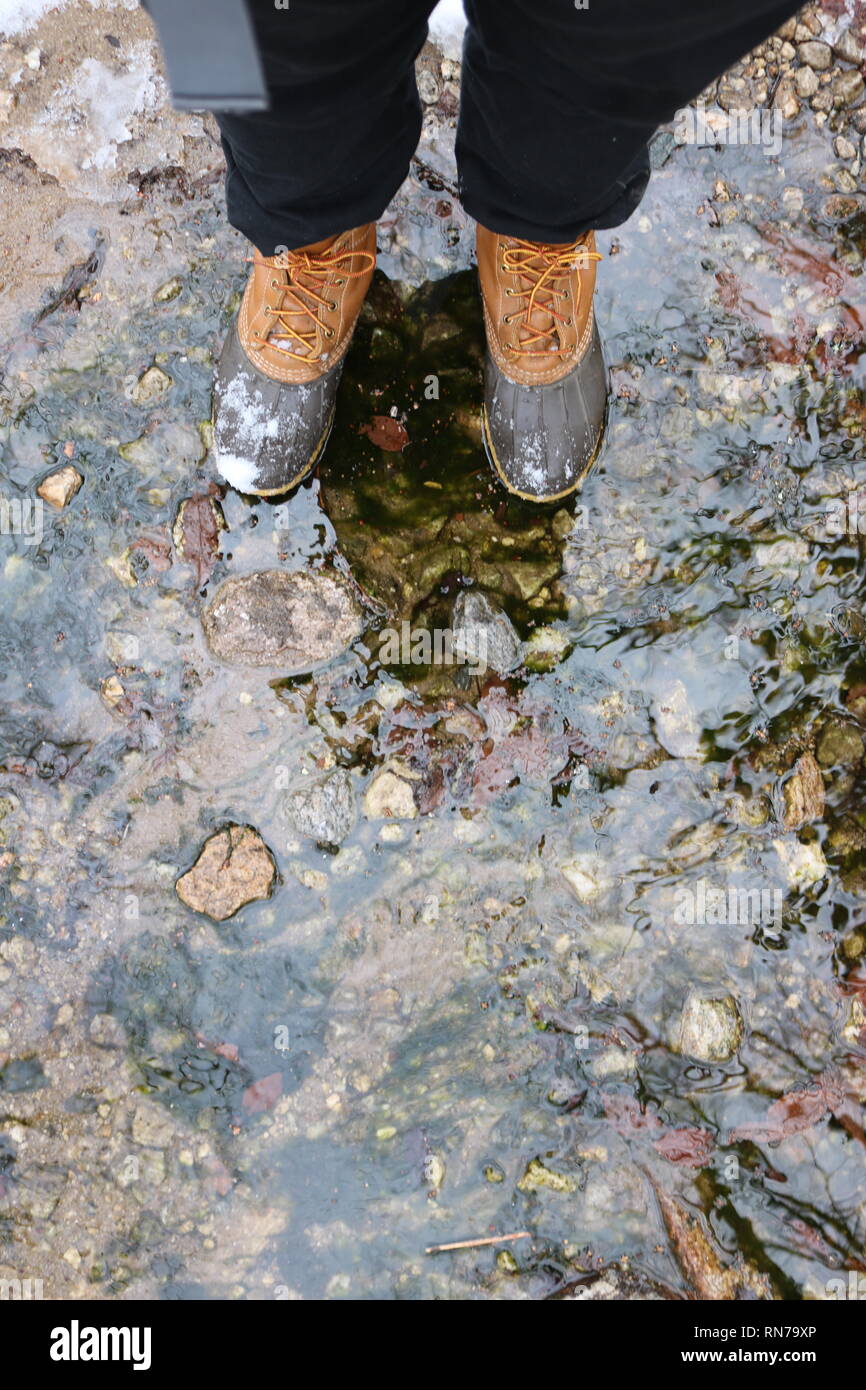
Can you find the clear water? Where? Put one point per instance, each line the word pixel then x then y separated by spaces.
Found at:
pixel 446 1016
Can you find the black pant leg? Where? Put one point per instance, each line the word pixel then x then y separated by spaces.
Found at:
pixel 343 124
pixel 559 103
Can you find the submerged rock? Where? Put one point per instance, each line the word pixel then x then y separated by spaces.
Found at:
pixel 840 744
pixel 151 386
pixel 433 1172
pixel 804 793
pixel 804 865
pixel 538 1175
pixel 677 727
pixel 59 488
pixel 612 1285
pixel 584 876
pixel 234 867
pixel 152 1126
pixel 546 648
pixel 325 811
pixel 296 620
pixel 389 797
pixel 783 556
pixel 815 55
pixel 484 635
pixel 710 1029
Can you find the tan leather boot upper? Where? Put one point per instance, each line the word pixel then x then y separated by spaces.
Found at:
pixel 299 308
pixel 537 304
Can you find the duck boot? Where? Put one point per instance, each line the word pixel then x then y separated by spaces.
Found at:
pixel 276 381
pixel 545 384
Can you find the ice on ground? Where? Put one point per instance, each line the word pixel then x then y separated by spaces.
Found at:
pixel 20 16
pixel 447 24
pixel 93 113
pixel 239 473
pixel 111 101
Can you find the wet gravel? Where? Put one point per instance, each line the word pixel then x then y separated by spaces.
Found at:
pixel 572 945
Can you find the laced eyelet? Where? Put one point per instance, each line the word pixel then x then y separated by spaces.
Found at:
pixel 507 318
pixel 329 332
pixel 332 306
pixel 339 282
pixel 274 285
pixel 509 294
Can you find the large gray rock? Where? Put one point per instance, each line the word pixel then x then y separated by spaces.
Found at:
pixel 676 724
pixel 295 620
pixel 326 810
pixel 484 635
pixel 710 1029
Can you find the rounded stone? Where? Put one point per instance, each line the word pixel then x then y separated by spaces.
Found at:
pixel 324 811
pixel 234 867
pixel 840 744
pixel 710 1029
pixel 389 797
pixel 815 55
pixel 295 620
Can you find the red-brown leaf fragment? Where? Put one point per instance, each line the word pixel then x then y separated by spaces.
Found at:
pixel 263 1095
pixel 386 433
pixel 196 533
pixel 691 1146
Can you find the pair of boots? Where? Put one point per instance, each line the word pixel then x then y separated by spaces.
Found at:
pixel 545 388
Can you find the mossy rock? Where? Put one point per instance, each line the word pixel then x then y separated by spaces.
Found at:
pixel 412 520
pixel 840 744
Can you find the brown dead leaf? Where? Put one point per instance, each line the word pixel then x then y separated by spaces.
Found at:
pixel 627 1115
pixel 692 1146
pixel 801 1109
pixel 730 289
pixel 527 755
pixel 218 1178
pixel 196 532
pixel 156 550
pixel 263 1095
pixel 386 433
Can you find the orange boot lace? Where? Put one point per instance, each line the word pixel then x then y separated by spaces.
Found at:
pixel 297 328
pixel 541 269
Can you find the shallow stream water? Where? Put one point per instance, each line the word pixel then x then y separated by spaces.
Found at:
pixel 474 1016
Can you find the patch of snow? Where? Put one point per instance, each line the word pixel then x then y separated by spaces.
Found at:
pixel 20 16
pixel 246 422
pixel 112 100
pixel 447 24
pixel 239 473
pixel 92 113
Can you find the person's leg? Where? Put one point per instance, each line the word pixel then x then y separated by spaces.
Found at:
pixel 343 124
pixel 558 103
pixel 307 180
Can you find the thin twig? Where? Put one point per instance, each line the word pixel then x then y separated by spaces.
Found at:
pixel 473 1244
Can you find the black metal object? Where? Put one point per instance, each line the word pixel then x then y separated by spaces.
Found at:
pixel 211 54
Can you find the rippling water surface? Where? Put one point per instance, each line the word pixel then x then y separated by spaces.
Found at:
pixel 476 1016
